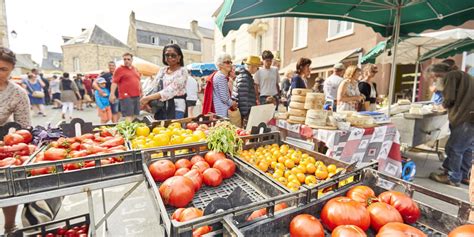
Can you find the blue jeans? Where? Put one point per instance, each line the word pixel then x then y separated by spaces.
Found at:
pixel 179 115
pixel 459 151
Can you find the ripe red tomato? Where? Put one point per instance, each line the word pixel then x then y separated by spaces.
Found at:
pixel 196 177
pixel 55 154
pixel 192 126
pixel 27 137
pixel 381 213
pixel 212 177
pixel 61 230
pixel 201 166
pixel 404 204
pixel 12 139
pixel 196 158
pixel 8 162
pixel 177 191
pixel 161 170
pixel 49 235
pixel 40 171
pixel 213 156
pixel 361 193
pixel 348 231
pixel 280 206
pixel 306 225
pixel 226 167
pixel 189 214
pixel 181 171
pixel 399 229
pixel 183 163
pixel 344 211
pixel 70 233
pixel 462 231
pixel 176 213
pixel 263 211
pixel 201 231
pixel 75 146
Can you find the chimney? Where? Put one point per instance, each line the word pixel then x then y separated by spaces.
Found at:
pixel 66 38
pixel 45 52
pixel 83 29
pixel 132 17
pixel 194 26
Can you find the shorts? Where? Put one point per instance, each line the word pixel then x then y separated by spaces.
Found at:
pixel 115 107
pixel 190 103
pixel 130 106
pixel 82 92
pixel 105 114
pixel 57 96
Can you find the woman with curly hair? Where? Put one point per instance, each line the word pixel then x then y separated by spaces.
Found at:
pixel 348 94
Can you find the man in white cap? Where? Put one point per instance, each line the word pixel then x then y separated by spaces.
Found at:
pixel 332 83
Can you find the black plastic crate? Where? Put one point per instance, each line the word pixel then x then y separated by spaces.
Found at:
pixel 209 119
pixel 245 177
pixel 52 226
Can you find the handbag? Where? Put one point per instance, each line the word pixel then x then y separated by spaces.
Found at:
pixel 42 211
pixel 87 98
pixel 235 117
pixel 157 105
pixel 34 94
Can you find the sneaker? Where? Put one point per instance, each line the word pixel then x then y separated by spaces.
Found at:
pixel 443 178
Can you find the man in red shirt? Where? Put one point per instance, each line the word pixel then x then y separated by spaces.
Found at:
pixel 127 79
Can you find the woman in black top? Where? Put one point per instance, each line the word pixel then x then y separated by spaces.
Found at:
pixel 302 72
pixel 369 88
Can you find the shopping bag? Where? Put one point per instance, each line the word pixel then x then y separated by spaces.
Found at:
pixel 87 98
pixel 42 211
pixel 235 117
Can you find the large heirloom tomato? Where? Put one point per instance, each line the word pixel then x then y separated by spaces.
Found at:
pixel 213 156
pixel 345 211
pixel 381 213
pixel 161 170
pixel 404 204
pixel 195 177
pixel 348 231
pixel 399 230
pixel 212 177
pixel 226 167
pixel 177 191
pixel 305 225
pixel 361 193
pixel 463 231
pixel 183 163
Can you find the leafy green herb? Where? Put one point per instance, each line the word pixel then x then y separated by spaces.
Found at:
pixel 224 138
pixel 127 129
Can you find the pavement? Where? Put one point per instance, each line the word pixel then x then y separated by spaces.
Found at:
pixel 136 215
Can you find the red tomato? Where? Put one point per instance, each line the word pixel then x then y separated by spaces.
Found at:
pixel 189 214
pixel 404 204
pixel 212 177
pixel 75 146
pixel 399 230
pixel 82 235
pixel 196 158
pixel 77 154
pixel 192 126
pixel 70 233
pixel 61 230
pixel 201 231
pixel 161 170
pixel 116 141
pixel 55 154
pixel 256 214
pixel 72 166
pixel 362 194
pixel 348 231
pixel 27 137
pixel 177 191
pixel 7 162
pixel 462 231
pixel 183 163
pixel 381 213
pixel 196 177
pixel 89 164
pixel 201 166
pixel 305 225
pixel 226 167
pixel 176 214
pixel 345 211
pixel 181 171
pixel 12 139
pixel 40 171
pixel 50 235
pixel 81 231
pixel 213 156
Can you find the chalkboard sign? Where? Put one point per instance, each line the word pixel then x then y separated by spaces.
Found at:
pixel 76 127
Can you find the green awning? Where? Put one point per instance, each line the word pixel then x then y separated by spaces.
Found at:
pixel 374 52
pixel 450 49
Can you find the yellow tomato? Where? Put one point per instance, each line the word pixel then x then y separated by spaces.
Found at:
pixel 283 180
pixel 321 173
pixel 289 164
pixel 263 166
pixel 332 168
pixel 142 131
pixel 161 139
pixel 175 125
pixel 199 134
pixel 301 177
pixel 292 177
pixel 293 186
pixel 280 166
pixel 287 174
pixel 310 168
pixel 310 180
pixel 277 175
pixel 302 168
pixel 188 139
pixel 273 164
pixel 176 140
pixel 296 170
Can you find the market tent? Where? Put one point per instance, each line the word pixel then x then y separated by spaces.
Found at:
pixel 450 49
pixel 370 56
pixel 143 66
pixel 387 17
pixel 201 69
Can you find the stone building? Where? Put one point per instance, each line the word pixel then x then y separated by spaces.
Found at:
pixel 52 61
pixel 91 51
pixel 147 41
pixel 3 25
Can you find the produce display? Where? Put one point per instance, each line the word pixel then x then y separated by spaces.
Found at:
pixel 292 168
pixel 15 149
pixel 76 231
pixel 190 213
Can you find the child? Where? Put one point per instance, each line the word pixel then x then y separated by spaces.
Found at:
pixel 103 104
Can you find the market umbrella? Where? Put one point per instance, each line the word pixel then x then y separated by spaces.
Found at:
pixel 201 69
pixel 370 56
pixel 449 50
pixel 143 66
pixel 387 17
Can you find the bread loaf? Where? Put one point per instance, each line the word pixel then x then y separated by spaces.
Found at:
pixel 298 98
pixel 297 112
pixel 296 105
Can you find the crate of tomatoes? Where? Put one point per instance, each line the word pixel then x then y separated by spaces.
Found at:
pixel 77 226
pixel 16 149
pixel 364 208
pixel 98 154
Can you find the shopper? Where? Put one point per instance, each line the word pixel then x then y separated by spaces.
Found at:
pixel 267 79
pixel 168 101
pixel 457 88
pixel 15 107
pixel 348 94
pixel 34 85
pixel 368 88
pixel 244 86
pixel 127 80
pixel 221 97
pixel 318 85
pixel 82 91
pixel 331 84
pixel 108 79
pixel 69 95
pixel 192 89
pixel 55 92
pixel 102 102
pixel 88 96
pixel 286 84
pixel 437 97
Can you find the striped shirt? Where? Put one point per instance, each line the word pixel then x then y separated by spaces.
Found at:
pixel 221 94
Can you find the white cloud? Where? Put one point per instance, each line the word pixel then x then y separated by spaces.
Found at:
pixel 43 22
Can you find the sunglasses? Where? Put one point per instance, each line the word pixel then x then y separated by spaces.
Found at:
pixel 227 62
pixel 171 55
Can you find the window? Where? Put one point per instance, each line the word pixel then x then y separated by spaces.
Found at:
pixel 76 64
pixel 56 63
pixel 232 49
pixel 190 45
pixel 259 44
pixel 300 35
pixel 155 40
pixel 338 29
pixel 172 41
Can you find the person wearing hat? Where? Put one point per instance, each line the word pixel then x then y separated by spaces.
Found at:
pixel 244 86
pixel 102 100
pixel 331 84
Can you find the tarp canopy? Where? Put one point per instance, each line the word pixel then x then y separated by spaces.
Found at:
pixel 449 50
pixel 143 66
pixel 201 69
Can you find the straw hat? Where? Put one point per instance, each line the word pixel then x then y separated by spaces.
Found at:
pixel 253 60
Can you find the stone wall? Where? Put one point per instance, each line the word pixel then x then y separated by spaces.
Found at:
pixel 91 57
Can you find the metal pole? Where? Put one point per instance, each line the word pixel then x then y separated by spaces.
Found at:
pixel 394 58
pixel 90 202
pixel 105 209
pixel 415 85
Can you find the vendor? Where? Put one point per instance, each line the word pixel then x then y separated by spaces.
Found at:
pixel 302 73
pixel 15 103
pixel 457 88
